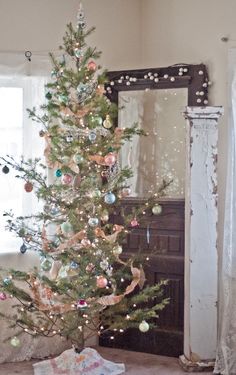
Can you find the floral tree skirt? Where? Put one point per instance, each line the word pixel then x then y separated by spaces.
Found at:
pixel 69 362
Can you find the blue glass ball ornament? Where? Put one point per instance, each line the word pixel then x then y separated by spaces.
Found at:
pixel 23 248
pixel 58 173
pixel 46 265
pixel 78 158
pixel 93 222
pixel 7 281
pixel 66 227
pixel 92 136
pixel 74 265
pixel 54 211
pixel 110 198
pixel 81 88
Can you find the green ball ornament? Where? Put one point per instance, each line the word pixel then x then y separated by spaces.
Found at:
pixel 15 342
pixel 95 193
pixel 63 99
pixel 46 265
pixel 144 326
pixel 66 227
pixel 48 95
pixel 157 209
pixel 96 120
pixel 78 158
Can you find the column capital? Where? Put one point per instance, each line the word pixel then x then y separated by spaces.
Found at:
pixel 203 112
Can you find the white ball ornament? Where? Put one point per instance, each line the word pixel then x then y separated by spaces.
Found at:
pixel 117 250
pixel 157 209
pixel 144 326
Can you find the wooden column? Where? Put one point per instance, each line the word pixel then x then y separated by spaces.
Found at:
pixel 201 261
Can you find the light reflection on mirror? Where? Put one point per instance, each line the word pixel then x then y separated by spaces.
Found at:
pixel 161 155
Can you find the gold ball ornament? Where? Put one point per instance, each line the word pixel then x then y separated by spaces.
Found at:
pixel 107 122
pixel 101 282
pixel 144 326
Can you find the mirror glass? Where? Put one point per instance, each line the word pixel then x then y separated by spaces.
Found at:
pixel 160 155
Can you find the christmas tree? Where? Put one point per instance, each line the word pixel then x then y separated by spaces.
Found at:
pixel 85 285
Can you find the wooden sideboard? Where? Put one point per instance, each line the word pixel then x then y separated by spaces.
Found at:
pixel 161 238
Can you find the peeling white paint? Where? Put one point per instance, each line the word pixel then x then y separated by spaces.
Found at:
pixel 201 270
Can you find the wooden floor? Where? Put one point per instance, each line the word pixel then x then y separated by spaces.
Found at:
pixel 135 363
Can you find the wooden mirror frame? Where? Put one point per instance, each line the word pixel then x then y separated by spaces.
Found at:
pixel 193 77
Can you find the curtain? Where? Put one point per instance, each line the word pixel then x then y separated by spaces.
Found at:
pixel 226 351
pixel 31 77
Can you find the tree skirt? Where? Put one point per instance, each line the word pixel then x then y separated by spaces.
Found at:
pixel 69 362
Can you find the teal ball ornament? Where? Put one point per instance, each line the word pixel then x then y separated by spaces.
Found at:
pixel 58 173
pixel 157 209
pixel 15 342
pixel 93 222
pixel 110 198
pixel 7 281
pixel 66 227
pixel 48 95
pixel 78 158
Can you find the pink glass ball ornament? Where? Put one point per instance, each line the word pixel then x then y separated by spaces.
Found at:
pixel 28 187
pixel 90 267
pixel 125 192
pixel 101 282
pixel 3 296
pixel 67 179
pixel 92 66
pixel 134 223
pixel 110 159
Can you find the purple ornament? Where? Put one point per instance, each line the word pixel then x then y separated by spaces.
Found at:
pixel 3 296
pixel 67 179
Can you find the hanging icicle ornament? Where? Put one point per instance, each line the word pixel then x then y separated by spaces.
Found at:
pixel 81 24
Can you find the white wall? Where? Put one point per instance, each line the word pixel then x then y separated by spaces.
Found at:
pixel 190 31
pixel 39 25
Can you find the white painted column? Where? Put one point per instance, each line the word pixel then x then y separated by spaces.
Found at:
pixel 201 261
